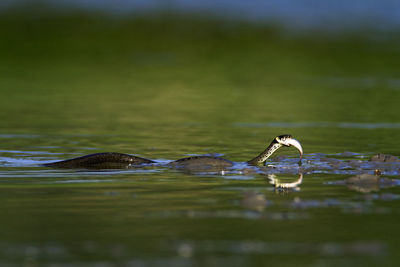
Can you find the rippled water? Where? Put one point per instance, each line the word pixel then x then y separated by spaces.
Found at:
pixel 167 87
pixel 156 216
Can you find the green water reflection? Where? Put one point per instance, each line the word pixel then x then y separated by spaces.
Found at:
pixel 166 87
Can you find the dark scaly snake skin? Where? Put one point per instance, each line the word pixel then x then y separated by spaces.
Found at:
pixel 101 160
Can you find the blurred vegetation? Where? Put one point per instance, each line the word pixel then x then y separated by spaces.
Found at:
pixel 76 71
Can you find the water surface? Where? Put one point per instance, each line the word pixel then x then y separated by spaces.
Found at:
pixel 157 88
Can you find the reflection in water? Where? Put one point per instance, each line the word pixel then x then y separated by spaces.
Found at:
pixel 366 183
pixel 254 200
pixel 278 184
pixel 384 158
pixel 105 97
pixel 180 202
pixel 349 163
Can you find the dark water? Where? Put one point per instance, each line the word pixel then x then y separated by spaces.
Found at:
pixel 142 87
pixel 162 217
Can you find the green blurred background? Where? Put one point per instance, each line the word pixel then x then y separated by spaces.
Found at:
pixel 80 71
pixel 167 82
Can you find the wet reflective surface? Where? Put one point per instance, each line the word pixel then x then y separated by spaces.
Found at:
pixel 168 87
pixel 334 208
